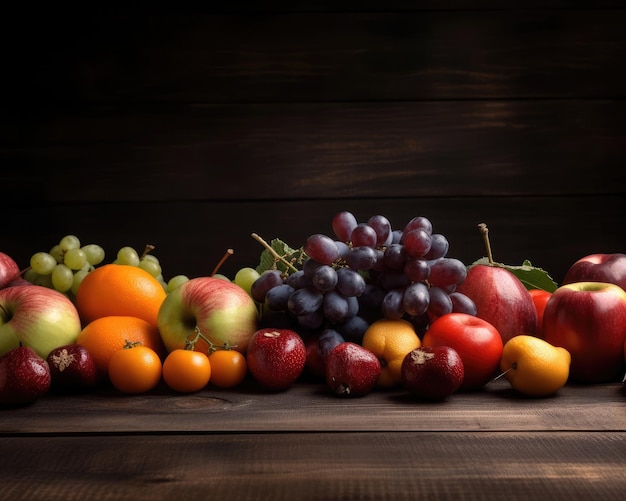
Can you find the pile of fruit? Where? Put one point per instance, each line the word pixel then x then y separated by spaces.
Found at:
pixel 364 308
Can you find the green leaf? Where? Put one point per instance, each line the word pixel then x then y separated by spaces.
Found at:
pixel 268 262
pixel 531 276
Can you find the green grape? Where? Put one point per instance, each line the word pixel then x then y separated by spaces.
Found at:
pixel 95 254
pixel 75 258
pixel 152 257
pixel 44 281
pixel 62 278
pixel 42 263
pixel 77 279
pixel 68 242
pixel 56 253
pixel 30 275
pixel 151 266
pixel 245 277
pixel 127 255
pixel 175 282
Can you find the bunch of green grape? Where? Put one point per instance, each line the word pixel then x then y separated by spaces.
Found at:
pixel 148 262
pixel 65 266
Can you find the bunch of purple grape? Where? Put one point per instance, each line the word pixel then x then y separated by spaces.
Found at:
pixel 366 272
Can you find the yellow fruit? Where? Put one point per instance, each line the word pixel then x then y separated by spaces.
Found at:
pixel 390 341
pixel 533 366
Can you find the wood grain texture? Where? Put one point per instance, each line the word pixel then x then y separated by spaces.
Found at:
pixel 285 466
pixel 318 56
pixel 310 407
pixel 311 151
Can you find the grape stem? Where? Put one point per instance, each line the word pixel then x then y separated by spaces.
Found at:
pixel 191 343
pixel 484 231
pixel 273 252
pixel 147 250
pixel 227 254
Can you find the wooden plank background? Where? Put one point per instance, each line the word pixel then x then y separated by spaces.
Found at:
pixel 190 131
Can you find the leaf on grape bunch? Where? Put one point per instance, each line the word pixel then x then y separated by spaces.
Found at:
pixel 531 276
pixel 268 261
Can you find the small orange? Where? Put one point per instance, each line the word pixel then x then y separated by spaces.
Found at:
pixel 228 368
pixel 186 371
pixel 118 289
pixel 135 369
pixel 104 336
pixel 390 340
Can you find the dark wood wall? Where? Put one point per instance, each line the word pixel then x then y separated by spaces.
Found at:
pixel 190 131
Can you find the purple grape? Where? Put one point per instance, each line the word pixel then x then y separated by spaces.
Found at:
pixel 299 280
pixel 417 242
pixel 447 271
pixel 278 297
pixel 392 305
pixel 343 224
pixel 395 257
pixel 462 304
pixel 438 246
pixel 440 303
pixel 321 248
pixel 393 280
pixel 361 258
pixel 416 299
pixel 305 301
pixel 335 307
pixel 311 321
pixel 417 269
pixel 382 227
pixel 350 282
pixel 268 280
pixel 324 278
pixel 343 249
pixel 363 236
pixel 353 329
pixel 419 222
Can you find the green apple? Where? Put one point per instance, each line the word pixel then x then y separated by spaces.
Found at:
pixel 36 317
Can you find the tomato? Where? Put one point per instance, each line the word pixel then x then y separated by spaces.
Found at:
pixel 229 368
pixel 540 298
pixel 477 342
pixel 186 370
pixel 135 369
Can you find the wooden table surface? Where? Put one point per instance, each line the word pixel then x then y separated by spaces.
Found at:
pixel 306 444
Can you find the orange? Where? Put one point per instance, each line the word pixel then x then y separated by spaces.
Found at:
pixel 107 335
pixel 390 340
pixel 135 370
pixel 533 366
pixel 118 289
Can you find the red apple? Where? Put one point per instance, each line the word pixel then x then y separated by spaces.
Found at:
pixel 432 372
pixel 588 319
pixel 276 358
pixel 540 299
pixel 501 299
pixel 24 377
pixel 36 317
pixel 9 270
pixel 222 311
pixel 352 370
pixel 477 342
pixel 610 268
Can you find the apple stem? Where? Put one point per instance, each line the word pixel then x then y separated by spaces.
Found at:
pixel 484 231
pixel 227 254
pixel 513 367
pixel 273 252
